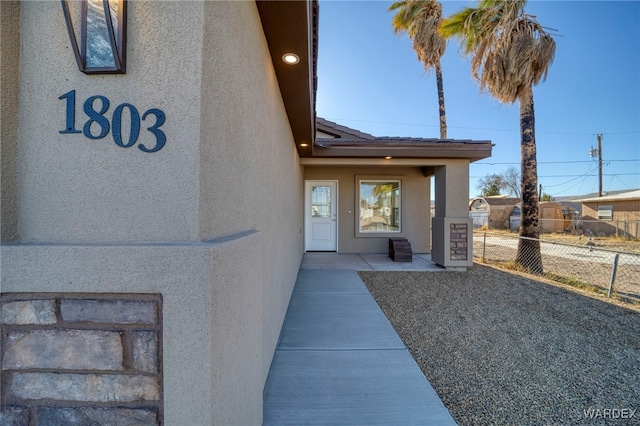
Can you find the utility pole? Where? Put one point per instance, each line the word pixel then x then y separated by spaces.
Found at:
pixel 599 164
pixel 540 193
pixel 598 152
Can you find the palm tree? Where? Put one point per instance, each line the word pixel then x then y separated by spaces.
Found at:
pixel 421 20
pixel 510 53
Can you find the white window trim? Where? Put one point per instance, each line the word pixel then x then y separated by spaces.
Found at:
pixel 609 212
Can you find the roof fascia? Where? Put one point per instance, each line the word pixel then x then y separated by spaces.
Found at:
pixel 398 162
pixel 471 152
pixel 341 131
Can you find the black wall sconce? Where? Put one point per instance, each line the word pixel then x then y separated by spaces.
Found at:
pixel 102 29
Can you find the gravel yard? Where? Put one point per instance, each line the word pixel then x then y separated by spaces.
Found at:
pixel 503 349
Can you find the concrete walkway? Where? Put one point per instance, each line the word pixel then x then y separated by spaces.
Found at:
pixel 339 361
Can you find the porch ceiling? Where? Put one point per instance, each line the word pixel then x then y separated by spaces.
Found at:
pixel 403 148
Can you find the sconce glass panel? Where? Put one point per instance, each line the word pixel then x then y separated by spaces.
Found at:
pixel 102 34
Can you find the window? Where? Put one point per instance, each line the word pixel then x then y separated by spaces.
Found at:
pixel 605 212
pixel 379 206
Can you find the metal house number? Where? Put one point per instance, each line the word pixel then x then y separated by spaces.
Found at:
pixel 97 125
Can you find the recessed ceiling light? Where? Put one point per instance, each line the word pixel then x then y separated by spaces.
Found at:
pixel 304 144
pixel 388 158
pixel 290 58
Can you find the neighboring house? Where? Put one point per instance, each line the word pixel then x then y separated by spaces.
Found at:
pixel 502 212
pixel 179 263
pixel 492 212
pixel 553 217
pixel 612 214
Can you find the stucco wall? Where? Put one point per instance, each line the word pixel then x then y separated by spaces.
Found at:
pixel 212 222
pixel 9 58
pixel 250 177
pixel 451 222
pixel 71 188
pixel 415 206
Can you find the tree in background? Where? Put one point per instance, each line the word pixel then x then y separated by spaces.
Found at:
pixel 511 181
pixel 421 19
pixel 490 185
pixel 494 184
pixel 510 53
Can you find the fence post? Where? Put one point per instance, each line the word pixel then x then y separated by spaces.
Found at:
pixel 484 245
pixel 613 274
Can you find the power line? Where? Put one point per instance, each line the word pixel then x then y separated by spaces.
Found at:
pixel 562 176
pixel 550 162
pixel 585 176
pixel 515 130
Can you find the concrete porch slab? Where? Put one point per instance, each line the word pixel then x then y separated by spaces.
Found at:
pixel 314 260
pixel 366 262
pixel 329 281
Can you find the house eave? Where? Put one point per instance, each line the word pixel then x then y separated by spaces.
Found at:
pixel 606 200
pixel 472 152
pixel 291 27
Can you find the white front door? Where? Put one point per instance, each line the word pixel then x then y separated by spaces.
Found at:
pixel 321 216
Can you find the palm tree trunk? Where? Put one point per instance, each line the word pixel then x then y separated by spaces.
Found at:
pixel 443 112
pixel 528 256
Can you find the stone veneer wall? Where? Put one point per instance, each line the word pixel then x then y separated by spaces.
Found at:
pixel 459 241
pixel 79 359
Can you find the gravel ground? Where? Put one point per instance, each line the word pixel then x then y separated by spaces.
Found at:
pixel 503 349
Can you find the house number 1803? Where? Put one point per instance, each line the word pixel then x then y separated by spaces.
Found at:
pixel 97 126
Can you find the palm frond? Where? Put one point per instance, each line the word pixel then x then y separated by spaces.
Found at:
pixel 406 15
pixel 427 42
pixel 510 51
pixel 420 19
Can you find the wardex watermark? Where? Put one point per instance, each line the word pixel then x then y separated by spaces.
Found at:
pixel 610 413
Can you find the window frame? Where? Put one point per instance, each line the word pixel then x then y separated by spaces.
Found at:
pixel 359 181
pixel 604 208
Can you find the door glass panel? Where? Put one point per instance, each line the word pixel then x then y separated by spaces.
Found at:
pixel 321 201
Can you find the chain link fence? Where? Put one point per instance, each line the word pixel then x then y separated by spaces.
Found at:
pixel 612 272
pixel 628 229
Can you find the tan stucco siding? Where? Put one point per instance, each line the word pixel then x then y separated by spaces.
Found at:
pixel 415 206
pixel 71 188
pixel 250 179
pixel 249 168
pixel 138 222
pixel 9 69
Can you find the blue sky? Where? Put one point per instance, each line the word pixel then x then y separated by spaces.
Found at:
pixel 370 79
